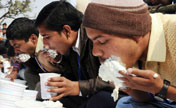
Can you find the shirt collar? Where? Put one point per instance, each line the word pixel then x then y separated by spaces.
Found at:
pixel 157 42
pixel 76 47
pixel 40 45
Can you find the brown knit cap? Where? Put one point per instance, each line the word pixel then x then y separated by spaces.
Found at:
pixel 118 20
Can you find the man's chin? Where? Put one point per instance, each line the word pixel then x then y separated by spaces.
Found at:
pixel 101 60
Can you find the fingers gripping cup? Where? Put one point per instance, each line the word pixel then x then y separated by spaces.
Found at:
pixel 44 79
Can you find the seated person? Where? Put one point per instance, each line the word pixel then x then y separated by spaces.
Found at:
pixel 142 40
pixel 60 25
pixel 23 36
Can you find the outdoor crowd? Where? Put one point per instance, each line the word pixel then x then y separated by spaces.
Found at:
pixel 87 34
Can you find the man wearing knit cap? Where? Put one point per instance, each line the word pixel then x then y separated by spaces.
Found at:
pixel 126 29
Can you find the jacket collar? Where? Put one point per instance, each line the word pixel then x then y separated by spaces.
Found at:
pixel 76 47
pixel 83 42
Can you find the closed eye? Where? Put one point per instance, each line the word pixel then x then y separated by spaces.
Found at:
pixel 46 37
pixel 102 42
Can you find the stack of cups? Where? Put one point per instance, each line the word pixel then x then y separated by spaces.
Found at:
pixel 43 80
pixel 10 92
pixel 6 65
pixel 23 82
pixel 30 95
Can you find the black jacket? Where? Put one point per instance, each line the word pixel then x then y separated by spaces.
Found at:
pixel 90 83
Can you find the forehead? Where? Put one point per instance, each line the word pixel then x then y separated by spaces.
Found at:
pixel 12 42
pixel 93 33
pixel 43 30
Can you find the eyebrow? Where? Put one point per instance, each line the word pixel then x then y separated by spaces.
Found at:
pixel 95 38
pixel 14 45
pixel 44 35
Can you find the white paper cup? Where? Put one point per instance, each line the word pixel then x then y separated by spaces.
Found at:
pixel 30 95
pixel 44 79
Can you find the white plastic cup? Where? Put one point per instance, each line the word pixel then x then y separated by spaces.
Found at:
pixel 30 95
pixel 43 80
pixel 6 65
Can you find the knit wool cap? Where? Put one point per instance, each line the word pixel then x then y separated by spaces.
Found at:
pixel 119 17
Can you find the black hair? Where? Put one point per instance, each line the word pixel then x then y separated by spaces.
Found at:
pixel 3 48
pixel 11 51
pixel 21 29
pixel 57 14
pixel 4 24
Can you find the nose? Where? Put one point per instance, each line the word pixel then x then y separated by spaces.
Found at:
pixel 96 51
pixel 45 42
pixel 17 51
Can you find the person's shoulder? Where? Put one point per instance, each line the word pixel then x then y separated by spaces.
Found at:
pixel 169 19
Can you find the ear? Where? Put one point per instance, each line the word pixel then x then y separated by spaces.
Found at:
pixel 67 30
pixel 137 38
pixel 33 38
pixel 142 39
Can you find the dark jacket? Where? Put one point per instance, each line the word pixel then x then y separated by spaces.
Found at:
pixel 90 83
pixel 32 73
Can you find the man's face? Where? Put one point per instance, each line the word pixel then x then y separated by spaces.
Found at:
pixel 55 40
pixel 21 46
pixel 106 45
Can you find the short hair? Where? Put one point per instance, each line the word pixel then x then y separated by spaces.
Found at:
pixel 4 24
pixel 57 14
pixel 3 49
pixel 11 51
pixel 21 29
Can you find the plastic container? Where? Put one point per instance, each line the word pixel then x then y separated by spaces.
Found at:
pixel 43 79
pixel 30 95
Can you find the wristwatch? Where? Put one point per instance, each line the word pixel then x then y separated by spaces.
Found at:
pixel 162 94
